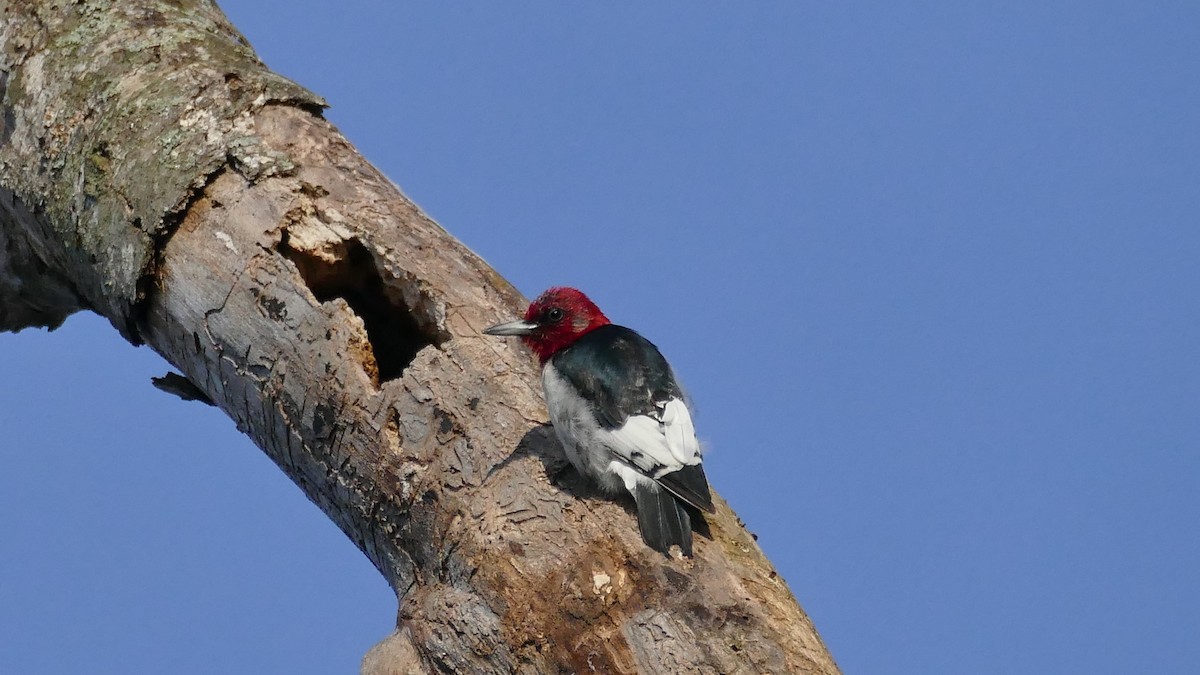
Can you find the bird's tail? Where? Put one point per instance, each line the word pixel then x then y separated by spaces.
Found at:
pixel 662 519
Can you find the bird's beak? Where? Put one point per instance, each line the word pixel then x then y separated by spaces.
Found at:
pixel 512 328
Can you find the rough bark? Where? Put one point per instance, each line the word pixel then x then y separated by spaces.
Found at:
pixel 152 170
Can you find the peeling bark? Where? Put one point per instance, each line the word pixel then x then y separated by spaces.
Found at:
pixel 152 170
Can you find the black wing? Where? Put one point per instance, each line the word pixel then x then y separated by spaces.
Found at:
pixel 619 373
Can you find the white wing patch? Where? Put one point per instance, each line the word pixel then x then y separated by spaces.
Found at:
pixel 656 447
pixel 680 433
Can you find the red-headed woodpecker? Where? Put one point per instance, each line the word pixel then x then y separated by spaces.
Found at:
pixel 618 411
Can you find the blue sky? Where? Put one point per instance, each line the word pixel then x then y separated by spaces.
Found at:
pixel 930 273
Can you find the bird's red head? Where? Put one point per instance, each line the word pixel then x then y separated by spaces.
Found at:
pixel 554 321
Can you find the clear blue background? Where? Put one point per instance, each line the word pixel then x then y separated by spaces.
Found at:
pixel 931 273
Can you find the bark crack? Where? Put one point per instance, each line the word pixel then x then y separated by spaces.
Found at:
pixel 149 280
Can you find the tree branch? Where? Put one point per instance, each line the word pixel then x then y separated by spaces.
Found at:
pixel 154 171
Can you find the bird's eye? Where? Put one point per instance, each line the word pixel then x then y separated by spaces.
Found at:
pixel 554 315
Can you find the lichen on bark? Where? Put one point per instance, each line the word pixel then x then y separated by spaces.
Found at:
pixel 130 108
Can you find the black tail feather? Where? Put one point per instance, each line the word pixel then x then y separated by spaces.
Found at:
pixel 663 520
pixel 690 485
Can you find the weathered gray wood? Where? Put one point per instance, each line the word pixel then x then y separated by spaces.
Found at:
pixel 153 170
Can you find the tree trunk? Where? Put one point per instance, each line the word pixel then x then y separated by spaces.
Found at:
pixel 152 170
